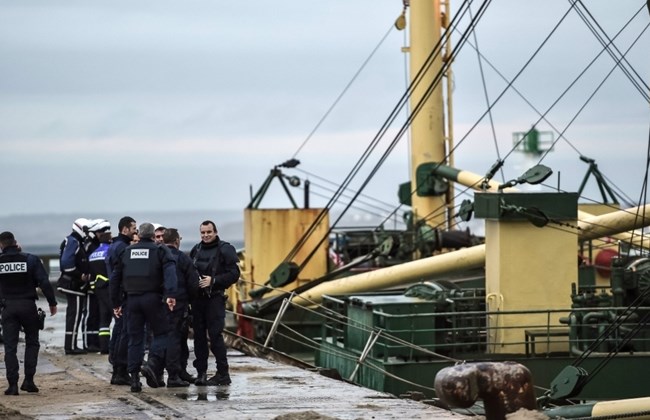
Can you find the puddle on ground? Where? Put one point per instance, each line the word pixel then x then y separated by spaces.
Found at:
pixel 209 395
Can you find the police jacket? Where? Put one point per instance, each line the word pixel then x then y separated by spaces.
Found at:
pixel 73 263
pixel 141 268
pixel 72 257
pixel 21 273
pixel 217 259
pixel 98 270
pixel 120 242
pixel 188 277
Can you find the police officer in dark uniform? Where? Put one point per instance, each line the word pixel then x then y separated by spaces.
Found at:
pixel 216 262
pixel 73 283
pixel 117 347
pixel 101 233
pixel 147 273
pixel 188 286
pixel 20 275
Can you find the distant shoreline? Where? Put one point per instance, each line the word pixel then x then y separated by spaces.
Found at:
pixel 42 250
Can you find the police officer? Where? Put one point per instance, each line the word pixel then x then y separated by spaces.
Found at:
pixel 147 273
pixel 216 262
pixel 98 297
pixel 73 283
pixel 188 285
pixel 117 348
pixel 20 274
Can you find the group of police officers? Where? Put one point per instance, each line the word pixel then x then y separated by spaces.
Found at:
pixel 146 287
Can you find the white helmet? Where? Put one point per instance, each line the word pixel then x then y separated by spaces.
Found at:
pixel 98 225
pixel 81 226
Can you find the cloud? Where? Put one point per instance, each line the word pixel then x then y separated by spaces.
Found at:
pixel 213 94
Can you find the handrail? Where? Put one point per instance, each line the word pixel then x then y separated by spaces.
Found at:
pixel 462 333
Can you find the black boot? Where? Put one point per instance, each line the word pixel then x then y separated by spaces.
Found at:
pixel 201 379
pixel 120 376
pixel 149 375
pixel 220 379
pixel 136 386
pixel 12 390
pixel 29 385
pixel 173 381
pixel 186 376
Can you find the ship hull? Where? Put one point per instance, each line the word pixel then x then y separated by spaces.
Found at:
pixel 623 376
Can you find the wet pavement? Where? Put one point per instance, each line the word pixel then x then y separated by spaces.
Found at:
pixel 78 387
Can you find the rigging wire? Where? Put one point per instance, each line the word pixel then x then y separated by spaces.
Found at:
pixel 374 143
pixel 365 210
pixel 377 201
pixel 583 106
pixel 619 191
pixel 644 190
pixel 343 92
pixel 332 316
pixel 485 94
pixel 435 82
pixel 438 77
pixel 645 184
pixel 613 50
pixel 510 83
pixel 598 88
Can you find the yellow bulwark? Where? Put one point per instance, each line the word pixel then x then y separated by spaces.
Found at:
pixel 529 265
pixel 270 235
pixel 516 282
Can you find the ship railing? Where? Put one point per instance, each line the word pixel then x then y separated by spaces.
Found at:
pixel 51 263
pixel 467 334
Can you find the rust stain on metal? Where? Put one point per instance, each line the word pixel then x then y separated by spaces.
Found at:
pixel 504 387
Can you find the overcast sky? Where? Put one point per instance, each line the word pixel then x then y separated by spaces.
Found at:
pixel 183 105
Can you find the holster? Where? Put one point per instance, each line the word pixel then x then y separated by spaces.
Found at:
pixel 41 319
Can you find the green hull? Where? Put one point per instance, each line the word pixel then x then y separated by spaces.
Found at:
pixel 623 376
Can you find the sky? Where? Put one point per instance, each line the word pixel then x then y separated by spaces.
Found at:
pixel 187 105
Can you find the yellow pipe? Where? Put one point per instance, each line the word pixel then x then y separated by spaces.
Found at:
pixel 467 258
pixel 409 272
pixel 619 407
pixel 587 222
pixel 612 224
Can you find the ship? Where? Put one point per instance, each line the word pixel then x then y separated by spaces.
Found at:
pixel 553 282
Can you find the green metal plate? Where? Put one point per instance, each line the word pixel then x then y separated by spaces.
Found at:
pixel 519 206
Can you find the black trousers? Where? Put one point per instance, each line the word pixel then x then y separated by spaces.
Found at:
pixel 209 317
pixel 146 308
pixel 177 350
pixel 16 314
pixel 73 316
pixel 119 344
pixel 90 323
pixel 105 317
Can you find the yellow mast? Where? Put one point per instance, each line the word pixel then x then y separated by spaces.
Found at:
pixel 427 129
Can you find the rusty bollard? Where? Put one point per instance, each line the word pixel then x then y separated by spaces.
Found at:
pixel 504 387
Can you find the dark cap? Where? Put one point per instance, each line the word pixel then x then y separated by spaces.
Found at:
pixel 7 236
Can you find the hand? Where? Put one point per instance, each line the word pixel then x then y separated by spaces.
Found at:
pixel 171 302
pixel 85 277
pixel 117 312
pixel 205 281
pixel 53 310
